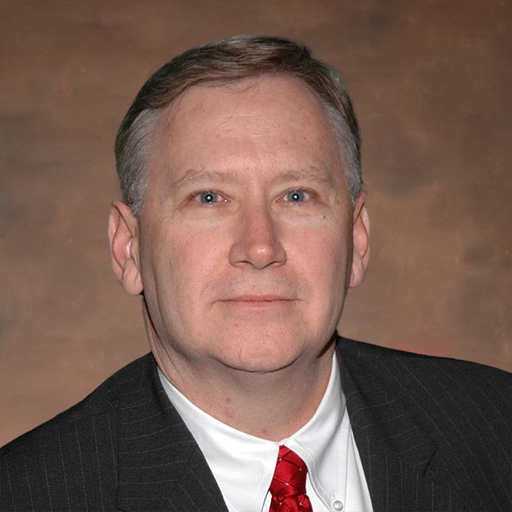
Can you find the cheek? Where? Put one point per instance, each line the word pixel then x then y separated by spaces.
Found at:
pixel 323 260
pixel 323 253
pixel 192 258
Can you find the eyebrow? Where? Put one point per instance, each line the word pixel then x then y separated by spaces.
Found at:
pixel 192 176
pixel 313 174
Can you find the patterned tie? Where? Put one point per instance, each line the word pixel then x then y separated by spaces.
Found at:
pixel 288 487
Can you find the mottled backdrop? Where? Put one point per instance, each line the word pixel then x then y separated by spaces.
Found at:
pixel 431 82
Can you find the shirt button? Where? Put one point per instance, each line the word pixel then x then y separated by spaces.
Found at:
pixel 337 505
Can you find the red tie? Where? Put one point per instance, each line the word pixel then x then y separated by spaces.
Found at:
pixel 288 487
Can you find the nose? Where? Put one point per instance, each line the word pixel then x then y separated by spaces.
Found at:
pixel 257 241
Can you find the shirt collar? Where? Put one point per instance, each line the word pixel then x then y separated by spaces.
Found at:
pixel 242 461
pixel 322 439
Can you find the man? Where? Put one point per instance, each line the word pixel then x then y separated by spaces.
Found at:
pixel 242 225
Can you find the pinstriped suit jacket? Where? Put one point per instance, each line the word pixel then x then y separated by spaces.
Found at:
pixel 433 435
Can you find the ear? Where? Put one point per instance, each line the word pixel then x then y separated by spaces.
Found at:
pixel 361 241
pixel 123 234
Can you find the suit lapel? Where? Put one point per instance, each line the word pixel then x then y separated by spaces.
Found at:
pixel 402 465
pixel 160 466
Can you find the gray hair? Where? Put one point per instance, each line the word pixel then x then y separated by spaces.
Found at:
pixel 221 62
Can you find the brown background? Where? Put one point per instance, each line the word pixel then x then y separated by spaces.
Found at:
pixel 431 82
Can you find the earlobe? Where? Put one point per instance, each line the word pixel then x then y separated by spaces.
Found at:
pixel 361 241
pixel 123 229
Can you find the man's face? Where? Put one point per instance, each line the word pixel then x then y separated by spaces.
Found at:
pixel 245 241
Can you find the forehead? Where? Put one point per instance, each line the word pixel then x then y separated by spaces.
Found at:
pixel 272 123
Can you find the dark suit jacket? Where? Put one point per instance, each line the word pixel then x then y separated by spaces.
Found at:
pixel 433 435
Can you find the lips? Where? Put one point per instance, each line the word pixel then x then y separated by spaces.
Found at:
pixel 258 300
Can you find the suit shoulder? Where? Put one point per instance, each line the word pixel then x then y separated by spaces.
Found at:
pixel 456 409
pixel 375 356
pixel 478 395
pixel 70 461
pixel 461 397
pixel 102 401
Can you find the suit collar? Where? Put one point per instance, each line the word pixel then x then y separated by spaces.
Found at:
pixel 403 464
pixel 160 466
pixel 379 408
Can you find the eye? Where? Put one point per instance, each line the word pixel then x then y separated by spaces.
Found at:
pixel 209 197
pixel 296 196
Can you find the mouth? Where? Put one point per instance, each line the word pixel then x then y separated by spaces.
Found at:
pixel 258 301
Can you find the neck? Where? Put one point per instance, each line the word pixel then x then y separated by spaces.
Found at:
pixel 270 405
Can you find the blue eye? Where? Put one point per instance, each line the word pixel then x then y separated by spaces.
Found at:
pixel 296 196
pixel 209 197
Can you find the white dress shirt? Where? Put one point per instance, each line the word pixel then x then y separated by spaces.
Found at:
pixel 243 465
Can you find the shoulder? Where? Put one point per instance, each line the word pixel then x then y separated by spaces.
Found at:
pixel 124 433
pixel 448 417
pixel 103 400
pixel 431 381
pixel 399 365
pixel 76 449
pixel 457 402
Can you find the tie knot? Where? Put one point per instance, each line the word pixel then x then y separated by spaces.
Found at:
pixel 288 487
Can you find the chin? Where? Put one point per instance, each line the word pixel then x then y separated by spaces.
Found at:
pixel 267 352
pixel 260 366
